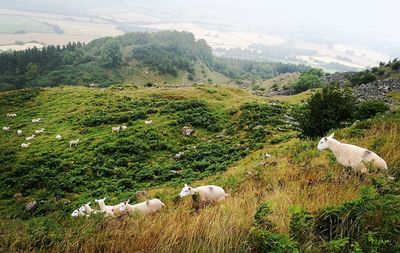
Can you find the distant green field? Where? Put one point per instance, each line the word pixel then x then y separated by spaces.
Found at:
pixel 12 24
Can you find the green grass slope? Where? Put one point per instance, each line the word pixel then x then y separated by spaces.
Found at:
pixel 233 130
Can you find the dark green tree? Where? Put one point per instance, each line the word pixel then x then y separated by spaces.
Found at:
pixel 111 55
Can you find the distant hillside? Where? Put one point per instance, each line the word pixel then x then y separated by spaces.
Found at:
pixel 162 58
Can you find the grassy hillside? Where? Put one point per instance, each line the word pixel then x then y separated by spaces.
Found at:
pixel 116 165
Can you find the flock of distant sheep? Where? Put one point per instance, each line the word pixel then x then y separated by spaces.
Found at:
pixel 357 158
pixel 58 136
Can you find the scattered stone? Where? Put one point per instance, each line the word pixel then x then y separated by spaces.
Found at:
pixel 179 155
pixel 17 195
pixel 267 155
pixel 376 90
pixel 257 127
pixel 31 205
pixel 221 134
pixel 187 130
pixel 176 171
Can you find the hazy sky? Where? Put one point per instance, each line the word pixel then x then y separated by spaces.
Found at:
pixel 368 17
pixel 365 17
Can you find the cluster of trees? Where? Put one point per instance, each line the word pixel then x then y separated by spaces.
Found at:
pixel 168 52
pixel 21 68
pixel 247 69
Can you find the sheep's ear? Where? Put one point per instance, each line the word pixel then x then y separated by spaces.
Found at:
pixel 88 203
pixel 96 200
pixel 331 136
pixel 186 185
pixel 325 138
pixel 147 202
pixel 126 202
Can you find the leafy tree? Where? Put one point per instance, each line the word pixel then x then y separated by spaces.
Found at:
pixel 111 55
pixel 308 80
pixel 325 110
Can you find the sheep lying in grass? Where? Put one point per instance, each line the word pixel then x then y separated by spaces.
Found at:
pixel 144 208
pixel 79 212
pixel 19 132
pixel 5 128
pixel 37 120
pixel 115 129
pixel 25 145
pixel 148 122
pixel 58 137
pixel 88 209
pixel 352 156
pixel 109 210
pixel 123 127
pixel 29 138
pixel 11 115
pixel 207 193
pixel 73 142
pixel 40 131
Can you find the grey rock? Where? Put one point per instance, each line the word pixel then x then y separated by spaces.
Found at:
pixel 31 205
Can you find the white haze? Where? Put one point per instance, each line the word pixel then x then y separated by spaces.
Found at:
pixel 366 28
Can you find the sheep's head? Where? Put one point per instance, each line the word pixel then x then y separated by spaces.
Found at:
pixel 187 190
pixel 75 213
pixel 323 143
pixel 123 206
pixel 100 200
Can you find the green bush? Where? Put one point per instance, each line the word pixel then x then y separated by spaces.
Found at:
pixel 261 217
pixel 361 78
pixel 325 110
pixel 266 241
pixel 370 108
pixel 308 80
pixel 263 236
pixel 301 225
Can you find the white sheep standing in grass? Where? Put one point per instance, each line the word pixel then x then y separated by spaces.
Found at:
pixel 5 128
pixel 352 156
pixel 115 129
pixel 73 143
pixel 19 132
pixel 25 145
pixel 58 137
pixel 37 120
pixel 207 193
pixel 144 208
pixel 29 138
pixel 39 131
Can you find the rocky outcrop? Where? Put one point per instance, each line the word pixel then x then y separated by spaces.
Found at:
pixel 376 90
pixel 338 77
